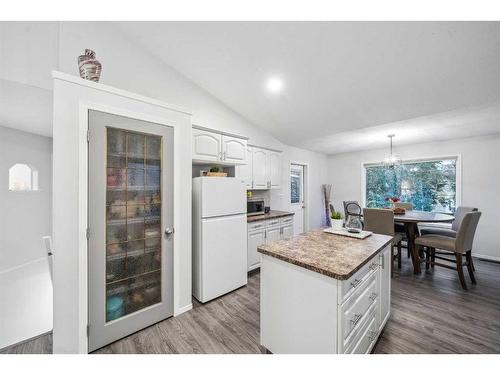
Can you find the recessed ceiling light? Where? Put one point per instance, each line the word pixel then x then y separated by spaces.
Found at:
pixel 274 85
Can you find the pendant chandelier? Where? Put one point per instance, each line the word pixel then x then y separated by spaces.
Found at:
pixel 392 160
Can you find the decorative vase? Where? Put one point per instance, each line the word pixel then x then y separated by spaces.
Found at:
pixel 337 224
pixel 90 68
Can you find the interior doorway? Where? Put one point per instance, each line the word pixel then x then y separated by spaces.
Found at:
pixel 299 197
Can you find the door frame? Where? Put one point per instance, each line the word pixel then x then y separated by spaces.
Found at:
pixel 83 128
pixel 305 192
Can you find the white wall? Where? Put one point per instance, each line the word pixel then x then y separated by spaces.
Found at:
pixel 24 216
pixel 480 180
pixel 127 66
pixel 72 98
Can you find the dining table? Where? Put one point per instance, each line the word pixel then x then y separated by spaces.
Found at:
pixel 411 219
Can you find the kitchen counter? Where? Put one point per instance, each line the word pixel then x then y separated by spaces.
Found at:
pixel 270 215
pixel 331 255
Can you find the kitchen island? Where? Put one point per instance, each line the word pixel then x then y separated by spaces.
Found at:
pixel 324 293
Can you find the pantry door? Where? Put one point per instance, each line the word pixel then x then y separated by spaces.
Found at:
pixel 130 226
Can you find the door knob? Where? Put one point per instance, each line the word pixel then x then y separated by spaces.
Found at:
pixel 169 231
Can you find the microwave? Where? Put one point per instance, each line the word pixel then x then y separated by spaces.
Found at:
pixel 255 207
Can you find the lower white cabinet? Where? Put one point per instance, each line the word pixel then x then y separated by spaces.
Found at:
pixel 287 232
pixel 318 314
pixel 255 239
pixel 264 232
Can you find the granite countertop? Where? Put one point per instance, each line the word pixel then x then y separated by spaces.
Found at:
pixel 271 215
pixel 331 255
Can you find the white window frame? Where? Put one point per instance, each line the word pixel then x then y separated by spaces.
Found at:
pixel 458 176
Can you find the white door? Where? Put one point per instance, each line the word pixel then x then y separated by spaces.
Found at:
pixel 274 169
pixel 207 146
pixel 385 284
pixel 273 234
pixel 297 197
pixel 223 255
pixel 245 171
pixel 259 168
pixel 287 232
pixel 234 150
pixel 255 239
pixel 130 210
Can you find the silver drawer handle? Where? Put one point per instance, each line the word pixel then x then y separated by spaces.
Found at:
pixel 373 296
pixel 355 283
pixel 372 335
pixel 356 319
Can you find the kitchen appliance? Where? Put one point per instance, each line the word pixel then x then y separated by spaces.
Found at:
pixel 255 207
pixel 219 236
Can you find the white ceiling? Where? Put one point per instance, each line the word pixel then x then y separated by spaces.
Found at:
pixel 341 79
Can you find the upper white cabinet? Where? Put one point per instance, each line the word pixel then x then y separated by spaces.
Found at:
pixel 259 169
pixel 234 150
pixel 207 146
pixel 263 169
pixel 245 170
pixel 210 146
pixel 274 169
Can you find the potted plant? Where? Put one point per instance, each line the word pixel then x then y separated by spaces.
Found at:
pixel 337 221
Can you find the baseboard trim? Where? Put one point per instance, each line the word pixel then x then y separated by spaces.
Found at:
pixel 487 257
pixel 183 309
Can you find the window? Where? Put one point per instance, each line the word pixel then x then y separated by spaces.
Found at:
pixel 430 185
pixel 295 186
pixel 22 177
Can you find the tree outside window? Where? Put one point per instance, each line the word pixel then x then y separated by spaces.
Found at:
pixel 428 185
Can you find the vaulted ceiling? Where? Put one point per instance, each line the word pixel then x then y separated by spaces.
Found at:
pixel 341 79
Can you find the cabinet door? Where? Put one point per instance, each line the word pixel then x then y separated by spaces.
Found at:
pixel 207 146
pixel 287 232
pixel 274 169
pixel 385 284
pixel 259 169
pixel 273 234
pixel 234 150
pixel 255 239
pixel 244 171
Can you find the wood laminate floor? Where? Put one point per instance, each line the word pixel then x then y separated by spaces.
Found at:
pixel 430 314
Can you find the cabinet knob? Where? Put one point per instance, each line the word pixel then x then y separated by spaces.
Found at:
pixel 169 231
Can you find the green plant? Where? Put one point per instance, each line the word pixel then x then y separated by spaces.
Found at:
pixel 336 215
pixel 215 169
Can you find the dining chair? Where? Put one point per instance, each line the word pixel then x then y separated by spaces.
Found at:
pixel 381 221
pixel 450 232
pixel 460 246
pixel 400 227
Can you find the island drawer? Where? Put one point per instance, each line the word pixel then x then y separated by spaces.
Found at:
pixel 351 285
pixel 354 311
pixel 363 341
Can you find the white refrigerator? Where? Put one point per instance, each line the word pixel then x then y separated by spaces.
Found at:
pixel 219 236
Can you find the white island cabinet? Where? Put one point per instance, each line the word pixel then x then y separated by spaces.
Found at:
pixel 322 293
